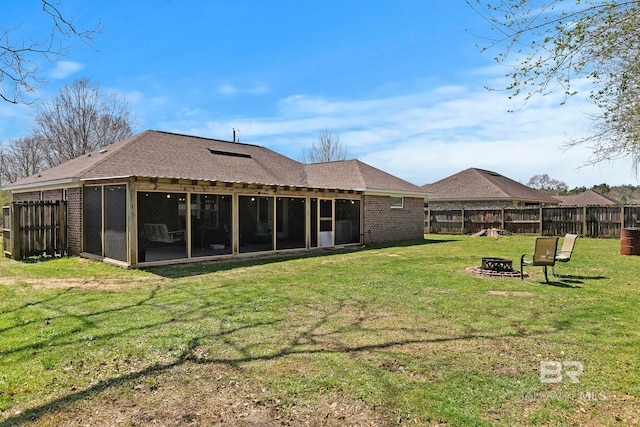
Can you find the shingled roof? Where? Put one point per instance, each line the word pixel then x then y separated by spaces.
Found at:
pixel 358 176
pixel 482 185
pixel 156 154
pixel 588 197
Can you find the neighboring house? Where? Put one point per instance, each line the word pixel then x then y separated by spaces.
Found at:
pixel 586 198
pixel 159 198
pixel 482 189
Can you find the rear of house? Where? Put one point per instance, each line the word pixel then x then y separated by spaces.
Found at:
pixel 160 198
pixel 475 188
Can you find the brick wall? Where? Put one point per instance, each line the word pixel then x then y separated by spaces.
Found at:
pixel 52 195
pixel 74 220
pixel 385 224
pixel 33 196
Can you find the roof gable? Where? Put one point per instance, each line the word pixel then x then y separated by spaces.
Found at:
pixel 356 175
pixel 588 197
pixel 166 155
pixel 480 184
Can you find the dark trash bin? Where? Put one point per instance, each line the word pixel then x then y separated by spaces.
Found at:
pixel 630 241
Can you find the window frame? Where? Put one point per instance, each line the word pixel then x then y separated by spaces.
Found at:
pixel 396 205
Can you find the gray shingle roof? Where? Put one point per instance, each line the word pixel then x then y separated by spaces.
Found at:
pixel 358 176
pixel 158 154
pixel 588 197
pixel 482 185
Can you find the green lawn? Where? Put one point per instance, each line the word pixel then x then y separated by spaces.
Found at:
pixel 375 336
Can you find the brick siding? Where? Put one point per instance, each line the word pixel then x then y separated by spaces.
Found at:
pixel 385 224
pixel 32 196
pixel 74 220
pixel 52 195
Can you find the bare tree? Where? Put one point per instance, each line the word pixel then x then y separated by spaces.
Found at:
pixel 548 185
pixel 327 148
pixel 20 54
pixel 79 120
pixel 21 158
pixel 550 44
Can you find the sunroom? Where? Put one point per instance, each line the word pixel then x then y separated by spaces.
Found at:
pixel 154 221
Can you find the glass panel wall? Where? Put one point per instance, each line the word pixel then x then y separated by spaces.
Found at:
pixel 92 219
pixel 347 221
pixel 255 223
pixel 210 225
pixel 162 225
pixel 115 222
pixel 290 223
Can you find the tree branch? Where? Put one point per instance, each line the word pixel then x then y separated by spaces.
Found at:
pixel 18 59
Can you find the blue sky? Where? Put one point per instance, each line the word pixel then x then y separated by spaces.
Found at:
pixel 402 83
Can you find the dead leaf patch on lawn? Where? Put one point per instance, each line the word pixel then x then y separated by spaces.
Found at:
pixel 512 293
pixel 86 283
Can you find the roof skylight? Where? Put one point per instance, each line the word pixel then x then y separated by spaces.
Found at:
pixel 229 153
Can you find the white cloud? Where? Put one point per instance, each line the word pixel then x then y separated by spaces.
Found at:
pixel 427 136
pixel 64 69
pixel 258 90
pixel 226 89
pixel 421 136
pixel 229 89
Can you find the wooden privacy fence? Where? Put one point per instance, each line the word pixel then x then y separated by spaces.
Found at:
pixel 588 221
pixel 34 229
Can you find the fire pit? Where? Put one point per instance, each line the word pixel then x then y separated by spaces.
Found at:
pixel 497 264
pixel 495 267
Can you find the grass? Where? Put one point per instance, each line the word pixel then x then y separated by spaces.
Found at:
pixel 380 336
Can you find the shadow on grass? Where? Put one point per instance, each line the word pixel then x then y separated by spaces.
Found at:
pixel 213 266
pixel 85 320
pixel 562 284
pixel 571 277
pixel 553 281
pixel 570 281
pixel 191 355
pixel 408 243
pixel 318 336
pixel 35 303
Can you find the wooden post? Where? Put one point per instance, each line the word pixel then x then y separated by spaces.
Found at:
pixel 584 221
pixel 131 206
pixel 15 232
pixel 188 233
pixel 235 225
pixel 307 222
pixel 62 228
pixel 50 232
pixel 463 218
pixel 541 220
pixel 6 230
